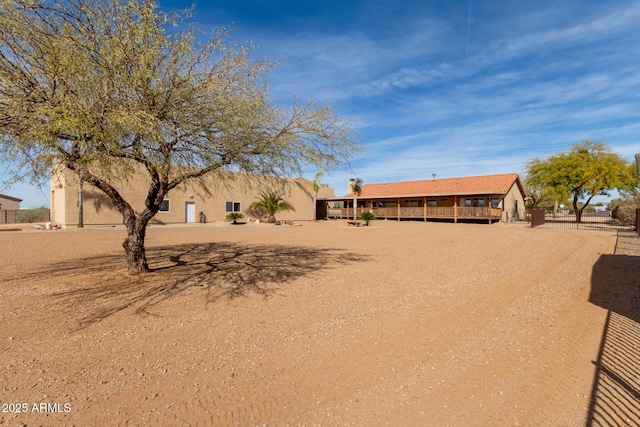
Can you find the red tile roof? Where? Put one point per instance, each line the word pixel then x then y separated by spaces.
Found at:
pixel 488 184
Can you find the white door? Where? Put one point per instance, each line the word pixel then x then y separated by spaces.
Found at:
pixel 190 212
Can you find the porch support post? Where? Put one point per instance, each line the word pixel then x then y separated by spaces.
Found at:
pixel 424 208
pixel 398 209
pixel 455 209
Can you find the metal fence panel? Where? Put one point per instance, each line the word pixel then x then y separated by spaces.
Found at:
pixel 9 216
pixel 570 219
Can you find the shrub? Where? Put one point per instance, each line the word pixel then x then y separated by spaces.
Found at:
pixel 234 216
pixel 33 215
pixel 367 217
pixel 624 214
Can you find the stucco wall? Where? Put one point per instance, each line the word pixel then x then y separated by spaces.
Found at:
pixel 57 190
pixel 98 209
pixel 514 208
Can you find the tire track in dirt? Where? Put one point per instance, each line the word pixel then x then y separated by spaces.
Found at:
pixel 452 331
pixel 550 384
pixel 544 387
pixel 370 350
pixel 396 351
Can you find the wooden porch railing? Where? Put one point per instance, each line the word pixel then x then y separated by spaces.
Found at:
pixel 421 212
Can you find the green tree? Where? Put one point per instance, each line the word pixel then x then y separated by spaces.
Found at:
pixel 271 203
pixel 109 88
pixel 540 197
pixel 587 170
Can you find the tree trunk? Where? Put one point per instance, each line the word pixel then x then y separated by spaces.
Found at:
pixel 272 219
pixel 134 247
pixel 576 210
pixel 136 225
pixel 80 204
pixel 355 208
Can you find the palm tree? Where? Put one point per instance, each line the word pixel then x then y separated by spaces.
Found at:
pixel 367 217
pixel 316 188
pixel 234 216
pixel 356 188
pixel 271 203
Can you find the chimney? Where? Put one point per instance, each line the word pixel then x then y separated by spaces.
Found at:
pixel 352 182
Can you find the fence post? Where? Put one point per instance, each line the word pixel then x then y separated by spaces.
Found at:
pixel 638 221
pixel 537 217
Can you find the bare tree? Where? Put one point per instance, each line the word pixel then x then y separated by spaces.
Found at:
pixel 107 88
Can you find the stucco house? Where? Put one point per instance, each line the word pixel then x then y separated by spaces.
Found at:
pixel 232 193
pixel 488 198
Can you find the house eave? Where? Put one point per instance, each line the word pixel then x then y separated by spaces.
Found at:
pixel 13 199
pixel 404 196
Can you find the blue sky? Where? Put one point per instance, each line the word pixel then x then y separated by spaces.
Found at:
pixel 455 88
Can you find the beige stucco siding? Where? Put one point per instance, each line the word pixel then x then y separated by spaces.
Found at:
pixel 513 205
pixel 243 189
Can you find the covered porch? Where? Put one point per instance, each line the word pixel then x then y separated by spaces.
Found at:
pixel 476 208
pixel 454 213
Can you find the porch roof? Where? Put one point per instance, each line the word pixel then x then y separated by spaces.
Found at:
pixel 472 185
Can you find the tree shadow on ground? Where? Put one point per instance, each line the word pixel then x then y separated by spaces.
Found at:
pixel 615 286
pixel 219 270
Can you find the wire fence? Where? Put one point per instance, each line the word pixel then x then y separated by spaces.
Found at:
pixel 22 216
pixel 574 219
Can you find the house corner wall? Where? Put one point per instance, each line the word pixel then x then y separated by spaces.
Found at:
pixel 57 194
pixel 514 208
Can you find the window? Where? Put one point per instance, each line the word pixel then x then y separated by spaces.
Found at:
pixel 232 206
pixel 495 203
pixel 164 206
pixel 413 203
pixel 476 202
pixel 432 203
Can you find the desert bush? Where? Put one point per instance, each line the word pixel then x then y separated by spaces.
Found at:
pixel 32 215
pixel 626 215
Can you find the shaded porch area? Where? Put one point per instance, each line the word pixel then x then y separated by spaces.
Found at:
pixel 453 213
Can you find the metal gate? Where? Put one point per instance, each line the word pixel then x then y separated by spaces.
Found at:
pixel 573 219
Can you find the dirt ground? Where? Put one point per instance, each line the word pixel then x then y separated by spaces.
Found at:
pixel 401 323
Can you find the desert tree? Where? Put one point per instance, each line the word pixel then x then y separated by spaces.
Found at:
pixel 539 196
pixel 113 88
pixel 587 170
pixel 270 203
